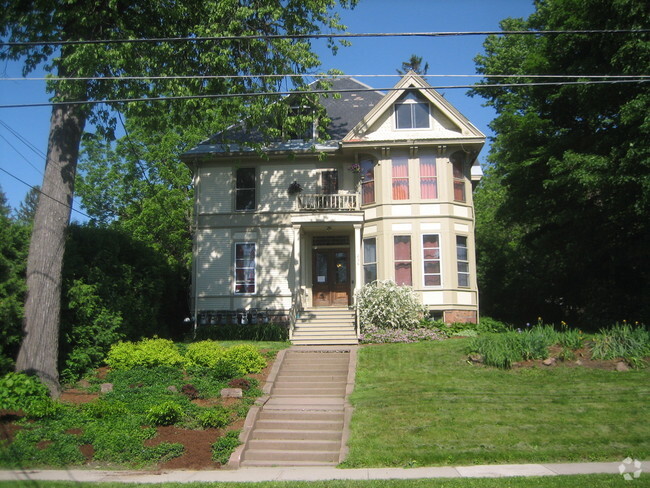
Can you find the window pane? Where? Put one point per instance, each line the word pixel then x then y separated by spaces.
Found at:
pixel 368 192
pixel 341 267
pixel 369 250
pixel 432 280
pixel 368 179
pixel 369 273
pixel 402 248
pixel 400 167
pixel 403 273
pixel 421 115
pixel 245 200
pixel 428 181
pixel 403 114
pixel 400 172
pixel 432 267
pixel 245 268
pixel 431 259
pixel 246 178
pixel 400 189
pixel 463 280
pixel 459 191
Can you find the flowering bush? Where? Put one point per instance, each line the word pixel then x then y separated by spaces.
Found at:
pixel 375 335
pixel 384 305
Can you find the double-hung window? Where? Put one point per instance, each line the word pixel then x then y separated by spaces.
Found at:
pixel 403 260
pixel 411 112
pixel 428 178
pixel 431 259
pixel 462 259
pixel 245 189
pixel 400 178
pixel 457 161
pixel 245 268
pixel 369 260
pixel 367 181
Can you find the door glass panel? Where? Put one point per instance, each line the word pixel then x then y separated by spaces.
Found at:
pixel 321 268
pixel 341 266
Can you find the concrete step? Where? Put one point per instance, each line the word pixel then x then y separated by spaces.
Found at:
pixel 297 425
pixel 322 435
pixel 310 384
pixel 299 415
pixel 294 445
pixel 298 378
pixel 287 463
pixel 311 392
pixel 291 456
pixel 332 369
pixel 310 373
pixel 325 341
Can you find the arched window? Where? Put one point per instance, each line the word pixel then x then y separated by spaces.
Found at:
pixel 367 180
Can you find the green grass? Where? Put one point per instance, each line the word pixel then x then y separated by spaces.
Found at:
pixel 578 481
pixel 422 405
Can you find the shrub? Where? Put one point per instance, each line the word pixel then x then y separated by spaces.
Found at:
pixel 534 343
pixel 19 391
pixel 147 352
pixel 247 358
pixel 252 332
pixel 105 409
pixel 167 413
pixel 499 350
pixel 375 335
pixel 224 447
pixel 622 341
pixel 204 353
pixel 214 418
pixel 385 305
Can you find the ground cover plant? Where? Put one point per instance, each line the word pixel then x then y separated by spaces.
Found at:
pixel 159 398
pixel 577 481
pixel 444 410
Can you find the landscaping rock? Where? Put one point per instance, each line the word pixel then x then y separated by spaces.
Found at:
pixel 106 387
pixel 172 388
pixel 549 361
pixel 476 358
pixel 622 366
pixel 232 393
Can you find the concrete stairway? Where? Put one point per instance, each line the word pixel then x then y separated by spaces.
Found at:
pixel 322 326
pixel 303 421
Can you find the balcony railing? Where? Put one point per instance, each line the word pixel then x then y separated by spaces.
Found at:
pixel 327 202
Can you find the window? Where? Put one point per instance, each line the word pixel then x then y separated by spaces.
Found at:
pixel 245 189
pixel 428 178
pixel 411 113
pixel 462 260
pixel 244 267
pixel 458 160
pixel 330 182
pixel 368 181
pixel 369 260
pixel 431 259
pixel 403 275
pixel 400 178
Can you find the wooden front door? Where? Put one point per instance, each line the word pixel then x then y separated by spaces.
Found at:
pixel 331 277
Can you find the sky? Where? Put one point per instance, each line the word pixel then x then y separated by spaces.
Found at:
pixel 24 131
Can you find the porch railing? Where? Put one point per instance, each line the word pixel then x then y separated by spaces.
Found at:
pixel 294 313
pixel 337 201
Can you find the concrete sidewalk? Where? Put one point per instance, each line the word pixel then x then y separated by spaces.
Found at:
pixel 319 473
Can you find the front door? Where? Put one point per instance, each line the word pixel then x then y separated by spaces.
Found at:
pixel 331 277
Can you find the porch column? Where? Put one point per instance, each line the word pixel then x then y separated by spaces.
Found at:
pixel 296 260
pixel 357 259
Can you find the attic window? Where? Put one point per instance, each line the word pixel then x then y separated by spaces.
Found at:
pixel 411 112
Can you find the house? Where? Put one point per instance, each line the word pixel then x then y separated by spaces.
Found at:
pixel 387 196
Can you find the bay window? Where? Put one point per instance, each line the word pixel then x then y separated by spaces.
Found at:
pixel 403 260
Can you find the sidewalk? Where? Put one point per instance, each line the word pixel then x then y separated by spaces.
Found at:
pixel 317 473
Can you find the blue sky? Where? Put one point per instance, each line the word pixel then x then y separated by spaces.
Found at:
pixel 23 144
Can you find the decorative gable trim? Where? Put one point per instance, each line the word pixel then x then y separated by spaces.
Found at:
pixel 412 81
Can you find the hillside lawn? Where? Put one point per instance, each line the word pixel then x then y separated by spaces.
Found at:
pixel 425 404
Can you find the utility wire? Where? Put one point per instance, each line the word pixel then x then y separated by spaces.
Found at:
pixel 316 92
pixel 19 153
pixel 328 76
pixel 45 194
pixel 347 35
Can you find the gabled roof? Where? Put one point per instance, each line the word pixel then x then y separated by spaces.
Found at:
pixel 345 112
pixel 412 81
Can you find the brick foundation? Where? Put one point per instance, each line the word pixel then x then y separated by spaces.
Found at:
pixel 461 316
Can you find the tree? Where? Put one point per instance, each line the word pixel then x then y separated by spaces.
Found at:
pixel 27 209
pixel 414 64
pixel 574 159
pixel 24 23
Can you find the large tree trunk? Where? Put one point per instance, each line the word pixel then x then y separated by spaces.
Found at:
pixel 40 347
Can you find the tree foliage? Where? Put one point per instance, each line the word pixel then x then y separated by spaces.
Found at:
pixel 574 164
pixel 80 68
pixel 414 63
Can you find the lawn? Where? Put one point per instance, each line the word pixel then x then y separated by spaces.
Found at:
pixel 423 404
pixel 579 481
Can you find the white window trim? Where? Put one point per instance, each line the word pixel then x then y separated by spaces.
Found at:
pixel 235 292
pixel 442 275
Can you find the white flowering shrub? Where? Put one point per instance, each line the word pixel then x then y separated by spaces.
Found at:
pixel 385 305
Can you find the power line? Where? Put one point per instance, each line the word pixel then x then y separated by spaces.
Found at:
pixel 347 35
pixel 328 76
pixel 316 92
pixel 44 194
